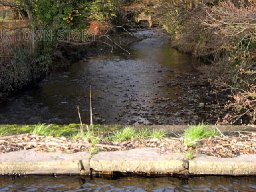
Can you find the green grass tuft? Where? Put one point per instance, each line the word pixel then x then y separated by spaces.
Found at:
pixel 42 129
pixel 195 133
pixel 125 134
pixel 158 134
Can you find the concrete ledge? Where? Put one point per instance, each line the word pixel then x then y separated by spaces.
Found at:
pixel 206 165
pixel 42 167
pixel 31 162
pixel 139 161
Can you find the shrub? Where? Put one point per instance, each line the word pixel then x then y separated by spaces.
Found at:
pixel 224 33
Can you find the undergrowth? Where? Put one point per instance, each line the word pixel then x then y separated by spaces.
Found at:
pixel 222 33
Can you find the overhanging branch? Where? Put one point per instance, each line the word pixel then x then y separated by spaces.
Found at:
pixel 10 4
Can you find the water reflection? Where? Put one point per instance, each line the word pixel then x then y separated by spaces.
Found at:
pixel 131 184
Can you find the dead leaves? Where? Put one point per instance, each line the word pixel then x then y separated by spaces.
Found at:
pixel 226 146
pixel 231 146
pixel 42 143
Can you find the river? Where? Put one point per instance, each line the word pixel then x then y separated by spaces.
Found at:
pixel 151 85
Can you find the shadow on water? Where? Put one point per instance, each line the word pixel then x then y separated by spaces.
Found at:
pixel 141 88
pixel 75 183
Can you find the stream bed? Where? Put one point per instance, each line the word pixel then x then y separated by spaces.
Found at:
pixel 128 184
pixel 152 85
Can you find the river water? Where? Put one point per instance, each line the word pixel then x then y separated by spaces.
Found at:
pixel 149 86
pixel 128 184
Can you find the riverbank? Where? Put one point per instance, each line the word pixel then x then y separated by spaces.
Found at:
pixel 233 153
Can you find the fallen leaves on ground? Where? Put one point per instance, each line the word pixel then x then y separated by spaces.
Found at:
pixel 233 145
pixel 42 143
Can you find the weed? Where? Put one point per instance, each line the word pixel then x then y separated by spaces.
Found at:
pixel 189 155
pixel 142 133
pixel 126 134
pixel 94 140
pixel 158 134
pixel 195 133
pixel 42 129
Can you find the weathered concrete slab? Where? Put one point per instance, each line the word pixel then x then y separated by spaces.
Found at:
pixel 146 160
pixel 207 165
pixel 32 162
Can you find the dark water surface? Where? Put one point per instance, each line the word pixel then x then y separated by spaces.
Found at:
pixel 142 88
pixel 166 184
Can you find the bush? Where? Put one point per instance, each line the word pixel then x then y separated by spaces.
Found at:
pixel 28 61
pixel 233 30
pixel 224 33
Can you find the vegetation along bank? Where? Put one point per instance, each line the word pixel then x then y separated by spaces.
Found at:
pixel 40 36
pixel 223 34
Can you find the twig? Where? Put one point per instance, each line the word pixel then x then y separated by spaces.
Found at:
pixel 81 123
pixel 108 146
pixel 91 121
pixel 117 45
pixel 241 116
pixel 219 131
pixel 112 48
pixel 131 34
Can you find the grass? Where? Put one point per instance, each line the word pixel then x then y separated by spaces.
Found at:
pixel 94 136
pixel 73 131
pixel 131 133
pixel 195 133
pixel 69 131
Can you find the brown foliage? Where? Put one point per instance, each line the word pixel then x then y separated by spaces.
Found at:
pixel 235 29
pixel 225 33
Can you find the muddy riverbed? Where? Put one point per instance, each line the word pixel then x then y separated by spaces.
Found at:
pixel 154 84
